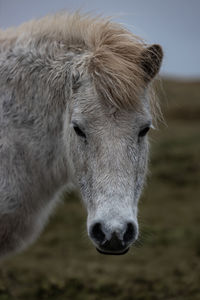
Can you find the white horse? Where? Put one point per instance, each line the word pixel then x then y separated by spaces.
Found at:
pixel 74 108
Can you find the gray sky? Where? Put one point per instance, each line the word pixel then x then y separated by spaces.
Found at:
pixel 175 24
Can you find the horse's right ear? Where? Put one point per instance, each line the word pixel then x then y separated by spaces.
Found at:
pixel 150 61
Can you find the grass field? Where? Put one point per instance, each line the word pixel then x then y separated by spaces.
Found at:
pixel 165 264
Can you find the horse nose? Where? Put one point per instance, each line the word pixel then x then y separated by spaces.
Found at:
pixel 115 241
pixel 97 233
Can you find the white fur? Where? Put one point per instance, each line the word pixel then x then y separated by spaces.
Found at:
pixel 45 88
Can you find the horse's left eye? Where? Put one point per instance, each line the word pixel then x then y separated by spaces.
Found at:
pixel 144 131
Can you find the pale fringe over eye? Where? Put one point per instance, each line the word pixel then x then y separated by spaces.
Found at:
pixel 113 53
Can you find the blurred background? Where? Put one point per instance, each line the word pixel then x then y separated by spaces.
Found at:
pixel 165 263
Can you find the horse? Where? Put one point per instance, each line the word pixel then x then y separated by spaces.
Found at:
pixel 75 108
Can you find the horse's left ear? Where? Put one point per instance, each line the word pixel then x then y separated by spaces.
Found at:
pixel 76 79
pixel 150 60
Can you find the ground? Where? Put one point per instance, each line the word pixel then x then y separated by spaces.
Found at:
pixel 164 264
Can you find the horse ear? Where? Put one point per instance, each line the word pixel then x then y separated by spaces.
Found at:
pixel 76 79
pixel 150 60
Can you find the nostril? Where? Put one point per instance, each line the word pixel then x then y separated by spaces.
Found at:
pixel 130 233
pixel 97 233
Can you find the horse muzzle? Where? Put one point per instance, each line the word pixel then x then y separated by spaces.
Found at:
pixel 113 242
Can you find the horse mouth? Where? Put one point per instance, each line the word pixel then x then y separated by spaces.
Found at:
pixel 112 253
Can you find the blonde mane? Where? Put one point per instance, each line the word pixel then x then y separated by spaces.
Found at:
pixel 114 53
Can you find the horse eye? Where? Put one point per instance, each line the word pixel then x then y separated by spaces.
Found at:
pixel 143 132
pixel 79 132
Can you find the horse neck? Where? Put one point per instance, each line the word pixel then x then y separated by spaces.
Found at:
pixel 39 84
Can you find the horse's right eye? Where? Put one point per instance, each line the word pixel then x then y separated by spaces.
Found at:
pixel 78 131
